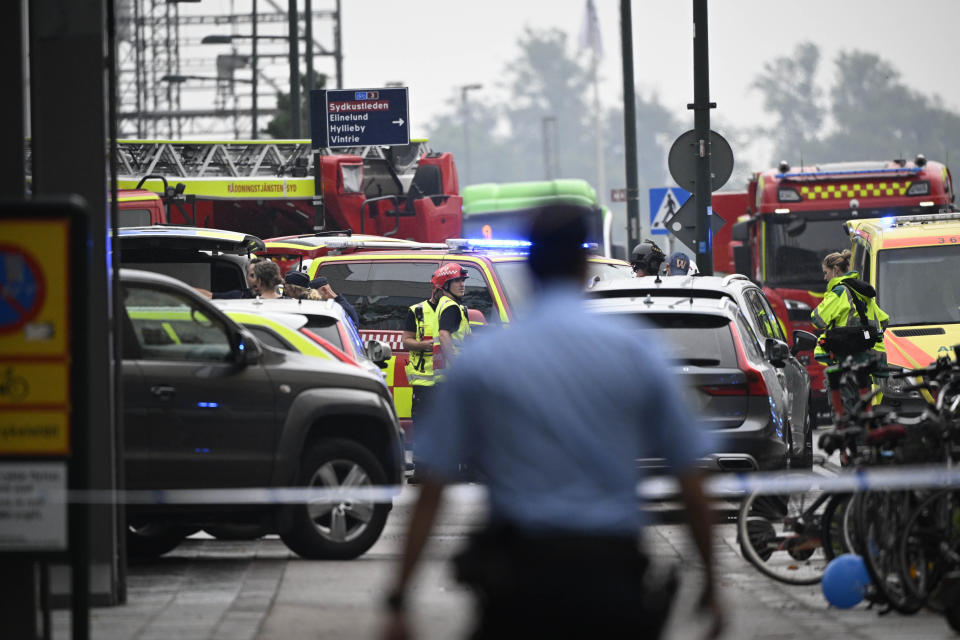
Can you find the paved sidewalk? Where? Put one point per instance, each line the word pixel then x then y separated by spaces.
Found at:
pixel 208 589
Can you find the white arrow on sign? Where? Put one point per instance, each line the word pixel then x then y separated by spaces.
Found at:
pixel 398 122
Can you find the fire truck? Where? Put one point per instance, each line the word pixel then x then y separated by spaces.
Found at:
pixel 789 219
pixel 272 188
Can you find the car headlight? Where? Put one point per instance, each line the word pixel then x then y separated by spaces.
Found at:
pixel 919 189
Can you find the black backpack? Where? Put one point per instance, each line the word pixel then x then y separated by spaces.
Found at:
pixel 851 340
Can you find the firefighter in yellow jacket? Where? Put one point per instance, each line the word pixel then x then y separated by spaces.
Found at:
pixel 849 305
pixel 436 325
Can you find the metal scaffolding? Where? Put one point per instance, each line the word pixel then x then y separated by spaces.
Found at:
pixel 173 85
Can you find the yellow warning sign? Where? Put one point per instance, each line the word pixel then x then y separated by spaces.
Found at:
pixel 35 336
pixel 34 432
pixel 24 383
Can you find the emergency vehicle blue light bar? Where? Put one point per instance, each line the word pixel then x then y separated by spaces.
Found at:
pixel 812 175
pixel 462 244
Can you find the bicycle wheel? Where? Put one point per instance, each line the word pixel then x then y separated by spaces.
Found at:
pixel 930 548
pixel 881 517
pixel 780 535
pixel 851 525
pixel 832 536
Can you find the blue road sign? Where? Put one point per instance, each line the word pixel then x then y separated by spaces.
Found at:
pixel 359 117
pixel 664 202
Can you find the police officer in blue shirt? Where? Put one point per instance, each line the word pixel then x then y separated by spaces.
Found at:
pixel 552 414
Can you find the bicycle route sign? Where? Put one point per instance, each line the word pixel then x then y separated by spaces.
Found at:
pixel 359 117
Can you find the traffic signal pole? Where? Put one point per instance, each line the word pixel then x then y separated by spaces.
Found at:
pixel 701 123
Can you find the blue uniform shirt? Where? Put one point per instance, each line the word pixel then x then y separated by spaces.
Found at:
pixel 554 411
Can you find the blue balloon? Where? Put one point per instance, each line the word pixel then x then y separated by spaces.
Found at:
pixel 845 581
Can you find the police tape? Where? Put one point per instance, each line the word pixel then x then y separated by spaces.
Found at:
pixel 727 485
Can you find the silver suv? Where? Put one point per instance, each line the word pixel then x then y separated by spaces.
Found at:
pixel 726 342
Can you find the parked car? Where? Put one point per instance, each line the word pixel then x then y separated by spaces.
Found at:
pixel 326 320
pixel 208 259
pixel 208 406
pixel 746 382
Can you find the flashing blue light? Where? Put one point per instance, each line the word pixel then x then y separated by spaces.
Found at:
pixel 485 243
pixel 488 243
pixel 201 450
pixel 208 405
pixel 242 346
pixel 888 221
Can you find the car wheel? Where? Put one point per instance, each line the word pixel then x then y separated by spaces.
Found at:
pixel 153 539
pixel 237 531
pixel 803 458
pixel 339 529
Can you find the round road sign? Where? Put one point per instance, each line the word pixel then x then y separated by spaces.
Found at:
pixel 21 288
pixel 682 160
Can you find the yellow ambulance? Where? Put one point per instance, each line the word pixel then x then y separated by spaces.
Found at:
pixel 912 261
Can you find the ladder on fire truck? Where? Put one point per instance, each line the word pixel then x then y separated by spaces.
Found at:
pixel 245 158
pixel 248 158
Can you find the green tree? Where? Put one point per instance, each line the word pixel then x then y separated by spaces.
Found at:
pixel 872 114
pixel 547 81
pixel 279 126
pixel 790 93
pixel 490 158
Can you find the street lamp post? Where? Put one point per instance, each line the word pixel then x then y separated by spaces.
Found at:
pixel 254 129
pixel 294 71
pixel 549 146
pixel 466 127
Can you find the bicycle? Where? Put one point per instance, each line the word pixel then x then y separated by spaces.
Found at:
pixel 782 535
pixel 13 386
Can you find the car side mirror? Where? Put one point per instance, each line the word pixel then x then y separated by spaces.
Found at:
pixel 248 350
pixel 475 317
pixel 777 352
pixel 803 341
pixel 379 352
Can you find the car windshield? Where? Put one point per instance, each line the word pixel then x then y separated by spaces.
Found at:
pixel 515 278
pixel 691 339
pixel 797 249
pixel 916 285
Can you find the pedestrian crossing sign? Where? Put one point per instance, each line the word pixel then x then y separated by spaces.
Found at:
pixel 664 202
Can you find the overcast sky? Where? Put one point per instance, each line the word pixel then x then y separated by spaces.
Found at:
pixel 435 45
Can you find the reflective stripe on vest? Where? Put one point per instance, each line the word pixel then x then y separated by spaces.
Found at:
pixel 463 330
pixel 419 368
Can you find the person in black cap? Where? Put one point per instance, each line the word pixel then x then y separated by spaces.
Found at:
pixel 319 289
pixel 646 258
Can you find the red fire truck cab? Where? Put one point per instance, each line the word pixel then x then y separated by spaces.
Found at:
pixel 791 218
